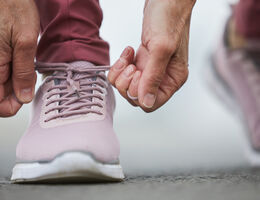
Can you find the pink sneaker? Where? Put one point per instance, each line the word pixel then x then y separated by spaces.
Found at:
pixel 70 136
pixel 237 80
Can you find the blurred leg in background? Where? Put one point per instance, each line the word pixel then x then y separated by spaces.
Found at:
pixel 236 69
pixel 247 18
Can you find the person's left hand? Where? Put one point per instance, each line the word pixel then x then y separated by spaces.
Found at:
pixel 160 66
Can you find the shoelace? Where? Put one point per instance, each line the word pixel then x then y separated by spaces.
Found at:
pixel 75 90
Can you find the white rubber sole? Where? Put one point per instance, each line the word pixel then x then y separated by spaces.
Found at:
pixel 226 96
pixel 68 167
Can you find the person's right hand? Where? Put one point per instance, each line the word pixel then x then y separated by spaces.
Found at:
pixel 160 67
pixel 19 30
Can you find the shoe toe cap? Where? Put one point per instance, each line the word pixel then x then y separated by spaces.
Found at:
pixel 98 139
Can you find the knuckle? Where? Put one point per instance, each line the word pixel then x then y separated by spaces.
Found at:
pixel 112 76
pixel 27 41
pixel 163 46
pixel 173 83
pixel 4 73
pixel 3 68
pixel 12 112
pixel 183 76
pixel 123 61
pixel 24 74
pixel 177 83
pixel 119 86
pixel 154 81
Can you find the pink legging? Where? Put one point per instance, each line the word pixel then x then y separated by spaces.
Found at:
pixel 70 29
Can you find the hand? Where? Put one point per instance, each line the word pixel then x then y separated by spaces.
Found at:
pixel 160 66
pixel 19 30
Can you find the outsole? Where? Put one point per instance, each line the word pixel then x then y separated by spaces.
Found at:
pixel 224 94
pixel 69 167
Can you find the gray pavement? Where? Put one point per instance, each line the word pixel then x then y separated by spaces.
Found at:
pixel 241 185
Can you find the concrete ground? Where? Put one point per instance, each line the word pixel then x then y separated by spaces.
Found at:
pixel 233 186
pixel 192 148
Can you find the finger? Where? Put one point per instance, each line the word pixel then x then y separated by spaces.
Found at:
pixel 132 91
pixel 6 90
pixel 9 106
pixel 4 73
pixel 23 75
pixel 124 79
pixel 125 59
pixel 2 90
pixel 152 75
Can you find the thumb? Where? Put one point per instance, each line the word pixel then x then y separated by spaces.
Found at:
pixel 152 76
pixel 23 75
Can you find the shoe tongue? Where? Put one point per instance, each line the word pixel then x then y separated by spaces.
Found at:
pixel 83 64
pixel 77 64
pixel 57 81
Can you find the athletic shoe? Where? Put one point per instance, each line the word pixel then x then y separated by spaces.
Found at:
pixel 70 137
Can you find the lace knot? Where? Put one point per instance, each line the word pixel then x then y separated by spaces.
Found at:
pixel 72 85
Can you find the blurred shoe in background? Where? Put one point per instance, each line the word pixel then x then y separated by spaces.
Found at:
pixel 236 76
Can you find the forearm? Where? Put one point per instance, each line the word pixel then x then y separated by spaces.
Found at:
pixel 188 4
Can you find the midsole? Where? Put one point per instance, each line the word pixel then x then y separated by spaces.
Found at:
pixel 116 162
pixel 66 165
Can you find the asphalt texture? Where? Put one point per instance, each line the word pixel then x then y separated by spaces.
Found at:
pixel 244 185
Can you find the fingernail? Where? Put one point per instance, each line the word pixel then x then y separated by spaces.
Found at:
pixel 130 96
pixel 126 52
pixel 129 70
pixel 149 100
pixel 26 95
